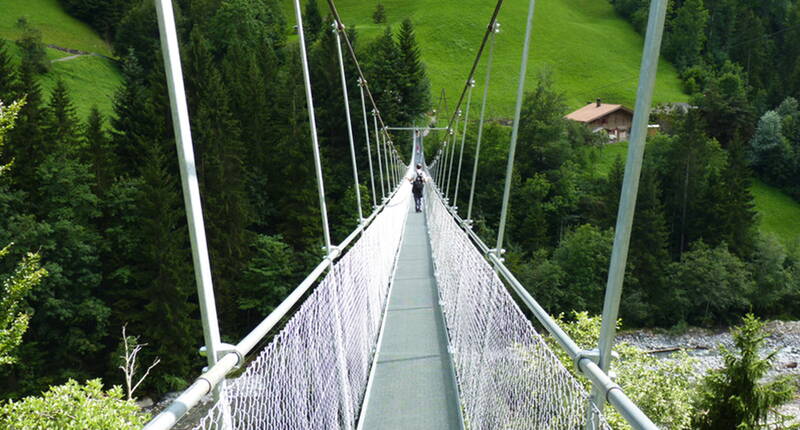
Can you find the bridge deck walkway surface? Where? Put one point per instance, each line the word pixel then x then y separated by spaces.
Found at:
pixel 413 385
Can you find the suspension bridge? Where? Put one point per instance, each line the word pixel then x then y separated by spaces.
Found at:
pixel 413 321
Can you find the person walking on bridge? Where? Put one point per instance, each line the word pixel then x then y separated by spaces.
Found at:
pixel 418 179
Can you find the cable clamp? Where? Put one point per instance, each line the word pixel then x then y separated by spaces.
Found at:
pixel 592 355
pixel 224 349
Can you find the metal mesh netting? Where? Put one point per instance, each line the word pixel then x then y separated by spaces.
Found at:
pixel 507 376
pixel 313 374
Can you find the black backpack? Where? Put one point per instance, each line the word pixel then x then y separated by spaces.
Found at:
pixel 418 184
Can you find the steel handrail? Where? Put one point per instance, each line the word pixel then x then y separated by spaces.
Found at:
pixel 234 357
pixel 614 394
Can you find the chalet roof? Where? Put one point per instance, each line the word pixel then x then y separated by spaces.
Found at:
pixel 591 112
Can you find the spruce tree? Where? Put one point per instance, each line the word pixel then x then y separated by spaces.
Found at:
pixel 132 122
pixel 734 397
pixel 164 272
pixel 684 42
pixel 312 21
pixel 98 152
pixel 61 128
pixel 69 311
pixel 269 276
pixel 646 297
pixel 414 86
pixel 291 182
pixel 383 70
pixel 729 213
pixel 8 73
pixel 379 16
pixel 220 161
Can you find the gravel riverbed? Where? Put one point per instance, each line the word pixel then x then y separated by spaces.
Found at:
pixel 704 346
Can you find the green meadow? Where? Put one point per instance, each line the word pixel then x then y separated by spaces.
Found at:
pixel 590 50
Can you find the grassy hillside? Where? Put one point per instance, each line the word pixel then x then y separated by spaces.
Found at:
pixel 56 26
pixel 591 51
pixel 92 80
pixel 778 212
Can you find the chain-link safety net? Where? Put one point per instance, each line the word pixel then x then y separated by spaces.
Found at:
pixel 313 374
pixel 507 376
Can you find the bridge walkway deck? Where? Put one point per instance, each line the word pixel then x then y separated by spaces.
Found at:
pixel 413 386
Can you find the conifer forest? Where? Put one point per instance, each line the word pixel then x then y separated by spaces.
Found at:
pixel 93 229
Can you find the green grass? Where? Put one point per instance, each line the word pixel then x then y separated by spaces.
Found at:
pixel 608 154
pixel 779 213
pixel 592 51
pixel 56 26
pixel 92 80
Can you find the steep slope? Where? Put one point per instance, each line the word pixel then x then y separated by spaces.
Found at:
pixel 591 51
pixel 775 208
pixel 92 79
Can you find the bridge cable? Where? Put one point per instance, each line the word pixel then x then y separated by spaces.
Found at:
pixel 313 125
pixel 369 150
pixel 480 121
pixel 337 30
pixel 378 146
pixel 515 129
pixel 349 45
pixel 489 30
pixel 463 141
pixel 452 145
pixel 630 187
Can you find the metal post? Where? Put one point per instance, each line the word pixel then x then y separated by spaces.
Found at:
pixel 515 129
pixel 191 189
pixel 313 123
pixel 630 187
pixel 480 121
pixel 378 145
pixel 463 140
pixel 453 137
pixel 366 134
pixel 385 148
pixel 349 123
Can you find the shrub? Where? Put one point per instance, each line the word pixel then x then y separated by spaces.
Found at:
pixel 662 388
pixel 379 16
pixel 73 406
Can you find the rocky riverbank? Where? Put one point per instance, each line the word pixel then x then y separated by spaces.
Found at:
pixel 704 346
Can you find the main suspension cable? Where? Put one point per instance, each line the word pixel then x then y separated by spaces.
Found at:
pixel 489 30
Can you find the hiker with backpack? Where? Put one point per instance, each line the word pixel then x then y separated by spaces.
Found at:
pixel 418 186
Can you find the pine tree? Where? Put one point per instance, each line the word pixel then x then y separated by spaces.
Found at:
pixel 414 86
